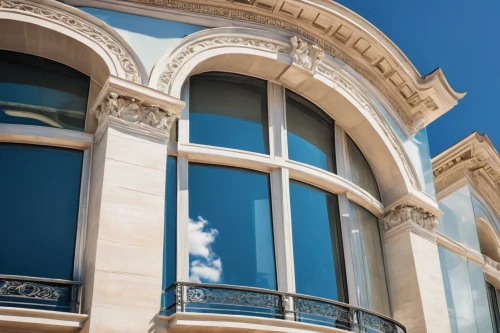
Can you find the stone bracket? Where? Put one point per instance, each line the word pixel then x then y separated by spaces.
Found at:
pixel 135 107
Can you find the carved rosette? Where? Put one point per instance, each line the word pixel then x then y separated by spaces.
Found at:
pixel 409 214
pixel 305 55
pixel 136 112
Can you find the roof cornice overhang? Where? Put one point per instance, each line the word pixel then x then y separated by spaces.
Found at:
pixel 473 160
pixel 417 100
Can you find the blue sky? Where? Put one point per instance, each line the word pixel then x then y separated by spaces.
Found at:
pixel 460 36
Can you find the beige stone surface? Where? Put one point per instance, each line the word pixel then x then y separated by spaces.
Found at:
pixel 415 282
pixel 124 253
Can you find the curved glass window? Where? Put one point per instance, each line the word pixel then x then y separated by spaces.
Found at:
pixel 360 172
pixel 170 223
pixel 317 244
pixel 39 199
pixel 368 258
pixel 228 110
pixel 309 133
pixel 38 91
pixel 230 227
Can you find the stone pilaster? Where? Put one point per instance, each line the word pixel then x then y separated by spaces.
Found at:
pixel 124 245
pixel 415 281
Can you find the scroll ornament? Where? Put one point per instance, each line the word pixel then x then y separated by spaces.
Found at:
pixel 133 111
pixel 408 213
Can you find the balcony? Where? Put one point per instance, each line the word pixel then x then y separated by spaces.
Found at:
pixel 194 307
pixel 39 304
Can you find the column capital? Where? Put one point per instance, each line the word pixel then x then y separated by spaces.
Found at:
pixel 407 213
pixel 135 107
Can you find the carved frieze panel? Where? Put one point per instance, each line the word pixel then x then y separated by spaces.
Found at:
pixel 409 214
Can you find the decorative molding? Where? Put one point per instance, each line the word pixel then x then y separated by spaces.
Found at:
pixel 417 100
pixel 182 55
pixel 305 54
pixel 486 189
pixel 136 112
pixel 89 30
pixel 312 54
pixel 409 214
pixel 135 108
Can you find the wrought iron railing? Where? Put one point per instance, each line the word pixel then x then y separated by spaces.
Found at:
pixel 40 293
pixel 223 299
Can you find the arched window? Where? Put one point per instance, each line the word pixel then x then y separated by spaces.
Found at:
pixel 41 92
pixel 268 220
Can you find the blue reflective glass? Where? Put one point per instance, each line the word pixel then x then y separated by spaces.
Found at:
pixel 41 92
pixel 170 223
pixel 309 132
pixel 39 199
pixel 230 227
pixel 230 111
pixel 317 249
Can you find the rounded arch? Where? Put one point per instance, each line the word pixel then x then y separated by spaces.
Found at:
pixel 268 56
pixel 488 240
pixel 67 35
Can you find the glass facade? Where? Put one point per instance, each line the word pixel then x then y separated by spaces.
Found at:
pixel 230 227
pixel 458 221
pixel 41 92
pixel 360 172
pixel 466 295
pixel 368 259
pixel 309 133
pixel 317 243
pixel 39 200
pixel 228 110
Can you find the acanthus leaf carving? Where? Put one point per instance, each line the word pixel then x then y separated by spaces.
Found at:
pixel 409 214
pixel 92 32
pixel 305 54
pixel 133 111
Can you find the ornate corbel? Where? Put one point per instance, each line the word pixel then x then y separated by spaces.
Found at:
pixel 409 214
pixel 305 55
pixel 137 107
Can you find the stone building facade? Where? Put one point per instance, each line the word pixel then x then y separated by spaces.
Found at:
pixel 230 166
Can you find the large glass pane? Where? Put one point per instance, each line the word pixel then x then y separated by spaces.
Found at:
pixel 230 227
pixel 360 172
pixel 37 91
pixel 316 242
pixel 310 133
pixel 458 221
pixel 39 198
pixel 484 323
pixel 369 261
pixel 494 309
pixel 170 222
pixel 229 110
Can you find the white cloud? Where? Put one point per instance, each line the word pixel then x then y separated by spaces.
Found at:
pixel 208 266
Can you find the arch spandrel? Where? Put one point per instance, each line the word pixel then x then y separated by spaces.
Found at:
pixel 65 34
pixel 271 57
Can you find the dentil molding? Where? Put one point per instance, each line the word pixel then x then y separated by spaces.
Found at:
pixel 418 100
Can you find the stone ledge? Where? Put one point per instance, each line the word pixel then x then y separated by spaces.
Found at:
pixel 29 320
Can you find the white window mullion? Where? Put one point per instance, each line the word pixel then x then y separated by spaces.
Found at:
pixel 277 120
pixel 183 122
pixel 282 225
pixel 182 257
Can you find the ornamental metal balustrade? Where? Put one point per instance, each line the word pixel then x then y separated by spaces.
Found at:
pixel 223 299
pixel 40 293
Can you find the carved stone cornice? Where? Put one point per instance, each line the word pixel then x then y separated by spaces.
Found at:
pixel 473 160
pixel 136 105
pixel 409 214
pixel 418 100
pixel 62 15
